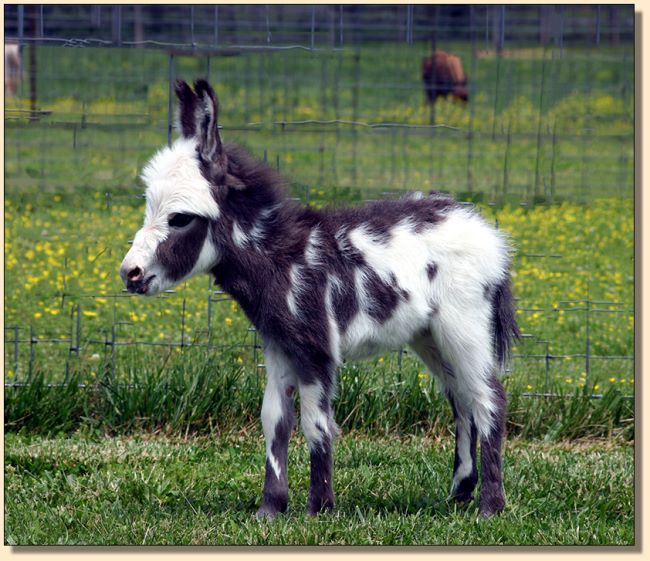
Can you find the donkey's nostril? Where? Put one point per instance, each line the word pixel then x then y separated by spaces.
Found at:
pixel 135 274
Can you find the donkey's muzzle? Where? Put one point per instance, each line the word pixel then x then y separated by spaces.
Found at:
pixel 135 280
pixel 140 286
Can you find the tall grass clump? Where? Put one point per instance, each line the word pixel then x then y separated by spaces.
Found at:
pixel 207 396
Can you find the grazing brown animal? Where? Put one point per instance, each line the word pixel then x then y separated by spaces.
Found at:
pixel 442 74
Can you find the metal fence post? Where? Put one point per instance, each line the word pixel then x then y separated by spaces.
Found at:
pixel 506 168
pixel 536 191
pixel 587 340
pixel 547 367
pixel 409 24
pixel 20 27
pixel 496 95
pixel 114 342
pixel 117 25
pixel 16 353
pixel 192 40
pixel 183 325
pixel 313 27
pixel 472 93
pixel 75 334
pixel 215 38
pixel 268 25
pixel 32 342
pixel 553 161
pixel 355 110
pixel 210 284
pixel 41 23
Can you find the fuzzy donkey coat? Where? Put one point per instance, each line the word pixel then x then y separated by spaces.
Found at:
pixel 322 286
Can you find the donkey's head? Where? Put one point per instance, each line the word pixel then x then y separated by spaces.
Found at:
pixel 176 241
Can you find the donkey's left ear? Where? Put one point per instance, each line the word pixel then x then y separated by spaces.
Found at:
pixel 187 106
pixel 210 148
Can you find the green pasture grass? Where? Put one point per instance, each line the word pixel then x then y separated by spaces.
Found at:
pixel 344 163
pixel 196 392
pixel 553 129
pixel 73 200
pixel 62 253
pixel 572 133
pixel 155 490
pixel 368 81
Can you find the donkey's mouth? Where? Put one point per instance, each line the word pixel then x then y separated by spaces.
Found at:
pixel 140 287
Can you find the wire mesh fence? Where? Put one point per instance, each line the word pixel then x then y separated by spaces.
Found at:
pixel 333 97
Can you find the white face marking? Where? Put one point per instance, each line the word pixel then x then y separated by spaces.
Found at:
pixel 175 185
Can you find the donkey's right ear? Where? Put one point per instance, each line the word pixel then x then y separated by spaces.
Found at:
pixel 187 111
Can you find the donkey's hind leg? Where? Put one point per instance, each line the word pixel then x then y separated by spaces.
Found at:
pixel 465 474
pixel 474 384
pixel 492 499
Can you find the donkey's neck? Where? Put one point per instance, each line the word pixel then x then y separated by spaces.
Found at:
pixel 258 255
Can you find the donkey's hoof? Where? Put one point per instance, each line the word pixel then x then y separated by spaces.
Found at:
pixel 463 491
pixel 462 498
pixel 316 506
pixel 491 506
pixel 267 512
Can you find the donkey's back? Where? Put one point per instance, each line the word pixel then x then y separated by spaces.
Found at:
pixel 399 269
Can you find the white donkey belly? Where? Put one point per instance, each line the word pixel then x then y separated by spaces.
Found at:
pixel 365 337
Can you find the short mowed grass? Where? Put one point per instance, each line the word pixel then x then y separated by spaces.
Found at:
pixel 148 490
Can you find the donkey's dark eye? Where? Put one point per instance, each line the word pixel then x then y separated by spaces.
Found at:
pixel 180 220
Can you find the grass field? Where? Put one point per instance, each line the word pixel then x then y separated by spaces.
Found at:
pixel 391 491
pixel 565 253
pixel 546 152
pixel 549 127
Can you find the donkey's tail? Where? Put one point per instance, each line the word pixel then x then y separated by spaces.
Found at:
pixel 504 322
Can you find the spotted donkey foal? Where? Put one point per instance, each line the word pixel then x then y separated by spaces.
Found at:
pixel 322 286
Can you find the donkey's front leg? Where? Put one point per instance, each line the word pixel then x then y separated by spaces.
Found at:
pixel 318 425
pixel 277 422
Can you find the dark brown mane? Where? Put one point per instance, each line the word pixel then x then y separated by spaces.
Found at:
pixel 257 176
